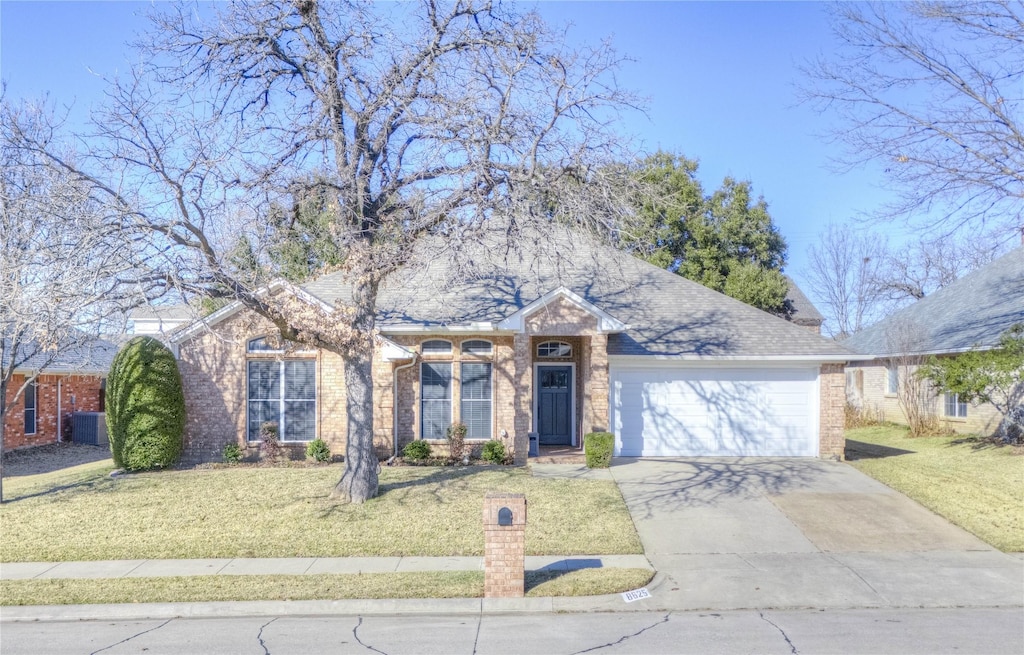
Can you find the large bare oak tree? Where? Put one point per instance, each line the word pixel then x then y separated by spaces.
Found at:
pixel 419 121
pixel 932 92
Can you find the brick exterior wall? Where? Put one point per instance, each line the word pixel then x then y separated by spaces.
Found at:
pixel 213 369
pixel 832 442
pixel 867 390
pixel 213 375
pixel 79 393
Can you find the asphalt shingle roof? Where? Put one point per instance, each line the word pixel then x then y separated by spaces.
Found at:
pixel 487 281
pixel 971 312
pixel 87 356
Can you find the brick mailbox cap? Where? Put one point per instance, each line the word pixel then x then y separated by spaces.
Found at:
pixel 493 504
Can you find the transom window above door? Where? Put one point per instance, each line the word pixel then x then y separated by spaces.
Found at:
pixel 554 349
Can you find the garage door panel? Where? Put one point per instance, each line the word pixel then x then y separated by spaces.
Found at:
pixel 702 412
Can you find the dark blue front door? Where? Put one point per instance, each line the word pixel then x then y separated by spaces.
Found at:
pixel 554 405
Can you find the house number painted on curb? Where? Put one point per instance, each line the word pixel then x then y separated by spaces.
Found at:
pixel 636 594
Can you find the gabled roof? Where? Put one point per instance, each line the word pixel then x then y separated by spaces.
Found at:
pixel 801 310
pixel 487 283
pixel 971 312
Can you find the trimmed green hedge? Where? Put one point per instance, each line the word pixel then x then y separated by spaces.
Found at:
pixel 598 448
pixel 145 406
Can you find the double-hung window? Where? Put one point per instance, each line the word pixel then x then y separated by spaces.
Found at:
pixel 476 399
pixel 283 392
pixel 435 399
pixel 31 407
pixel 954 407
pixel 892 379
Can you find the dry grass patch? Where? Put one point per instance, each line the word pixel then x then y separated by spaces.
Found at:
pixel 287 512
pixel 433 584
pixel 970 481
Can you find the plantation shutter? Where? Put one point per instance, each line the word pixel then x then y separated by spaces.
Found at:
pixel 264 395
pixel 476 399
pixel 436 399
pixel 299 401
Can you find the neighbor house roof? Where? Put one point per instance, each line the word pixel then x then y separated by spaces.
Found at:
pixel 801 310
pixel 663 315
pixel 971 312
pixel 88 356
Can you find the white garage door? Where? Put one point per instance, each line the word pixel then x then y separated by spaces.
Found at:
pixel 680 411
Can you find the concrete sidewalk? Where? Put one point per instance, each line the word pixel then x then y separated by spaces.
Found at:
pixel 297 566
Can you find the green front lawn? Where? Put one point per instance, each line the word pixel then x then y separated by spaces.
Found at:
pixel 973 483
pixel 428 584
pixel 287 512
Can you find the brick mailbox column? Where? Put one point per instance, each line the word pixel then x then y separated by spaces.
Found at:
pixel 504 545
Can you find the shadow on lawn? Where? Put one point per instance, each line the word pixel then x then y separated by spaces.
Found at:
pixel 862 450
pixel 99 485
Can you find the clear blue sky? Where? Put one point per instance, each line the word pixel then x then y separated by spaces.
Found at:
pixel 720 77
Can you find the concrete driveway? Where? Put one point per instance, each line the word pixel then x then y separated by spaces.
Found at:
pixel 737 533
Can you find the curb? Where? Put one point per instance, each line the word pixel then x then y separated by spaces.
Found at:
pixel 230 609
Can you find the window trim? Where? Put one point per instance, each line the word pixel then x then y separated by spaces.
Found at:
pixel 32 387
pixel 282 399
pixel 450 399
pixel 489 400
pixel 488 353
pixel 957 404
pixel 551 342
pixel 448 353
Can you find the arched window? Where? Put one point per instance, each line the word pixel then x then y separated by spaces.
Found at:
pixel 261 345
pixel 554 349
pixel 477 347
pixel 436 347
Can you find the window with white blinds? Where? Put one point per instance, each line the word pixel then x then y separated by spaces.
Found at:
pixel 282 392
pixel 476 399
pixel 435 399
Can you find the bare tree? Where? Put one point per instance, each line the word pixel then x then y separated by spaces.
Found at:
pixel 932 91
pixel 60 265
pixel 422 121
pixel 915 394
pixel 844 268
pixel 925 266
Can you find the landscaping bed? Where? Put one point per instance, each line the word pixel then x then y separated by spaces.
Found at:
pixel 84 514
pixel 974 482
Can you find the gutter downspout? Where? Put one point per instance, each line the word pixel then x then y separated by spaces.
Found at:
pixel 394 403
pixel 60 416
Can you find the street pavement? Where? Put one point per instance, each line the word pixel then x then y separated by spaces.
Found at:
pixel 783 632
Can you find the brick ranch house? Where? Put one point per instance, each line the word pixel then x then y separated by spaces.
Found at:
pixel 558 337
pixel 72 382
pixel 972 312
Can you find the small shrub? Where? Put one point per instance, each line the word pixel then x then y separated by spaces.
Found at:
pixel 457 440
pixel 494 452
pixel 416 450
pixel 318 451
pixel 861 417
pixel 598 448
pixel 232 453
pixel 145 406
pixel 270 443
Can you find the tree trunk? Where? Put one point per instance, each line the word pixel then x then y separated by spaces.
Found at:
pixel 3 422
pixel 359 480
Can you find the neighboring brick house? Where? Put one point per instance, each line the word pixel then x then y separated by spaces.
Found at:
pixel 559 337
pixel 71 381
pixel 972 312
